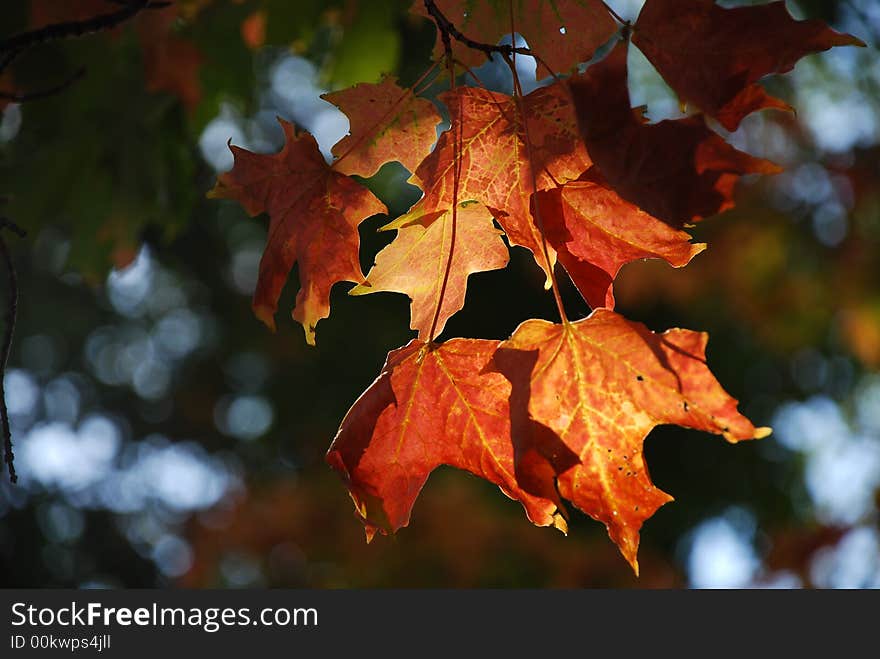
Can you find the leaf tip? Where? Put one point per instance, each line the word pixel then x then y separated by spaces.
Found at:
pixel 310 334
pixel 266 315
pixel 218 191
pixel 286 126
pixel 850 40
pixel 361 289
pixel 560 523
pixel 769 167
pixel 628 544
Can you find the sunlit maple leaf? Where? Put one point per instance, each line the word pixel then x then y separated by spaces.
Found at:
pixel 429 407
pixel 562 34
pixel 678 171
pixel 313 212
pixel 387 124
pixel 712 56
pixel 499 167
pixel 432 262
pixel 595 233
pixel 601 384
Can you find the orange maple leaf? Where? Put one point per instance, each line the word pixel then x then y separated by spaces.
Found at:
pixel 429 407
pixel 499 167
pixel 387 123
pixel 601 384
pixel 595 233
pixel 678 171
pixel 713 56
pixel 431 263
pixel 313 212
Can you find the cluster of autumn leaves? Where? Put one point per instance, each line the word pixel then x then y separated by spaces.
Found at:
pixel 570 172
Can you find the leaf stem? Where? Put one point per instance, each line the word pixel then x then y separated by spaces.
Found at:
pixel 520 105
pixel 457 138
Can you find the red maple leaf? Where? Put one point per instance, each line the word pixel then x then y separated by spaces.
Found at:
pixel 429 407
pixel 713 56
pixel 431 264
pixel 678 171
pixel 595 233
pixel 314 213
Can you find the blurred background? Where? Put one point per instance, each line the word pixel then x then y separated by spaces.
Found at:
pixel 164 437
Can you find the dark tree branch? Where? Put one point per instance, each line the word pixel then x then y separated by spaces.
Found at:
pixel 448 31
pixel 11 311
pixel 42 93
pixel 10 48
pixel 73 29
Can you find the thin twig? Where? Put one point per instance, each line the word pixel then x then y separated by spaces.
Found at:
pixel 42 93
pixel 468 71
pixel 425 80
pixel 73 29
pixel 539 221
pixel 11 311
pixel 457 135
